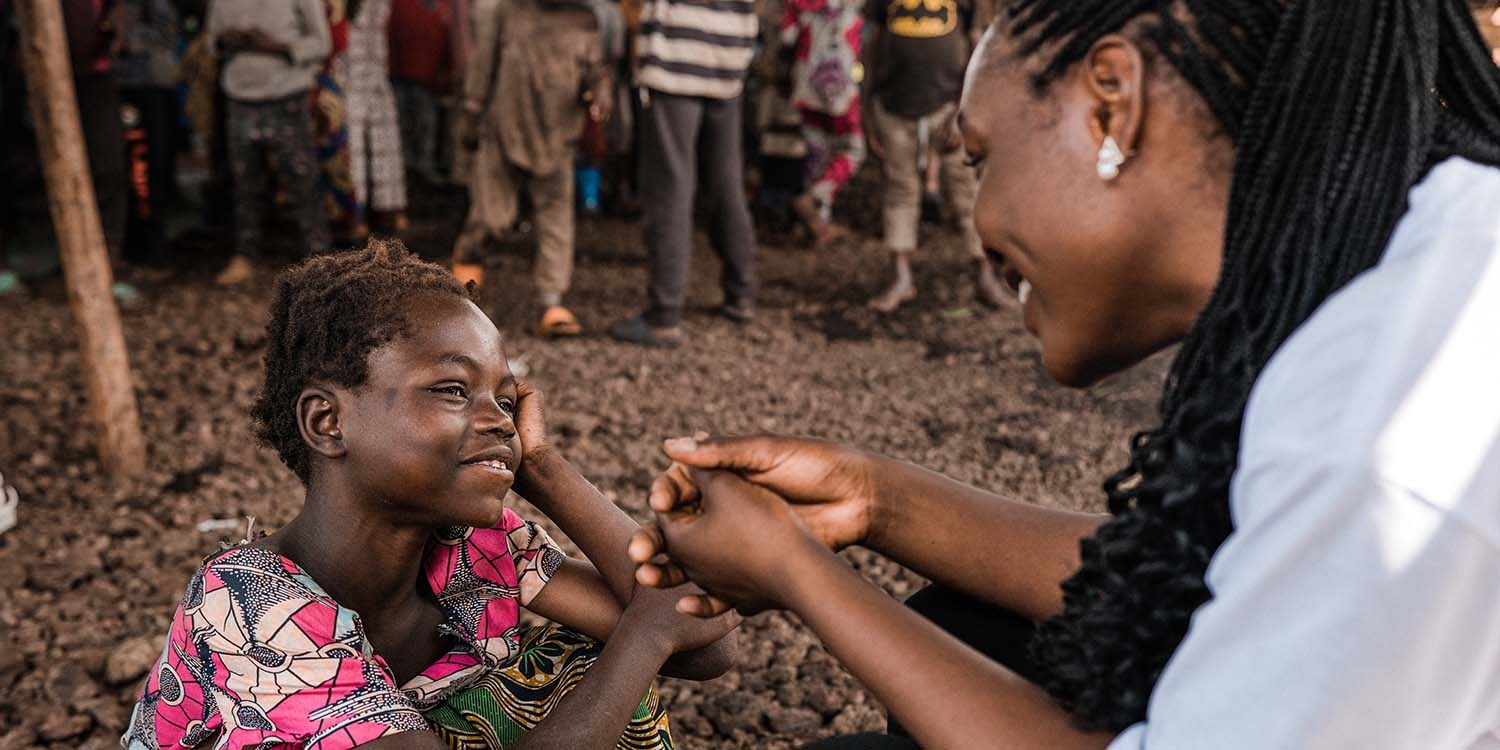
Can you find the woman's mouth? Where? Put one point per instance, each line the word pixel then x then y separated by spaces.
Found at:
pixel 493 464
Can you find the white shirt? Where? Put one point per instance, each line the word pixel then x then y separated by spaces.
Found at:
pixel 1357 604
pixel 256 76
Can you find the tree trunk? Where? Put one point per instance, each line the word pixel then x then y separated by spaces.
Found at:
pixel 54 109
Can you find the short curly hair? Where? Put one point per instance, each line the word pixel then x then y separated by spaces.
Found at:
pixel 329 313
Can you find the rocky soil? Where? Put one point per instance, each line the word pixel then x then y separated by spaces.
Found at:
pixel 94 569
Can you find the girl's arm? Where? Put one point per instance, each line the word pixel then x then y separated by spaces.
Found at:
pixel 602 531
pixel 595 714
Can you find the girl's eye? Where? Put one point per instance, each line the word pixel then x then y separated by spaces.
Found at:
pixel 452 390
pixel 506 405
pixel 974 162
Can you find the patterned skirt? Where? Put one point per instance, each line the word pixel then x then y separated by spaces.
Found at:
pixel 496 711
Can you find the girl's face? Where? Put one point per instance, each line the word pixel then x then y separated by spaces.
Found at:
pixel 1115 270
pixel 431 435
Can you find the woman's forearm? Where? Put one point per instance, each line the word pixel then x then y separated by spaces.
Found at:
pixel 945 693
pixel 595 713
pixel 1009 553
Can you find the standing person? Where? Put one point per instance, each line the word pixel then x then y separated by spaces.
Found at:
pixel 825 36
pixel 331 133
pixel 914 68
pixel 420 39
pixel 536 74
pixel 146 71
pixel 270 52
pixel 375 161
pixel 95 29
pixel 1303 551
pixel 691 59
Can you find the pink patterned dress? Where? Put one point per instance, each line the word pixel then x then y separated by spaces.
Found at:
pixel 259 655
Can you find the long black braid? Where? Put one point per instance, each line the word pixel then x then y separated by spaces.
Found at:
pixel 1336 108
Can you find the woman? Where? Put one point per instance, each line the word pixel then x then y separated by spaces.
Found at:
pixel 1302 194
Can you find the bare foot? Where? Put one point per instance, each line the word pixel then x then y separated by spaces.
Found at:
pixel 827 233
pixel 899 293
pixel 987 287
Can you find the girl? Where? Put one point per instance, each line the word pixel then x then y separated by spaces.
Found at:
pixel 384 616
pixel 1303 194
pixel 824 38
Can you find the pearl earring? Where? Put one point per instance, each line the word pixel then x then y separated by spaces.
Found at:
pixel 1110 159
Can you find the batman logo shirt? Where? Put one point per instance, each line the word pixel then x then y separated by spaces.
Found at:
pixel 921 19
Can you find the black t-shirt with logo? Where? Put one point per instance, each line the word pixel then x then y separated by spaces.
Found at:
pixel 920 59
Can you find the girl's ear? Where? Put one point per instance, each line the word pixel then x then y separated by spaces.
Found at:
pixel 318 420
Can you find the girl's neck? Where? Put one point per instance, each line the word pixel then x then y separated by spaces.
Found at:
pixel 365 562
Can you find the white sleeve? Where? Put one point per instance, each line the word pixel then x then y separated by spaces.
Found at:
pixel 1348 612
pixel 316 40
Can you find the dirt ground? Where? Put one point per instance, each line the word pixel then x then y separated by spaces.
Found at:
pixel 90 576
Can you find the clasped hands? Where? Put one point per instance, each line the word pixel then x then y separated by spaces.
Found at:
pixel 744 517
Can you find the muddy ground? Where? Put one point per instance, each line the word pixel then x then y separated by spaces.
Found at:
pixel 90 576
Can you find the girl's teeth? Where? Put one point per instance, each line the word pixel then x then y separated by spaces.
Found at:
pixel 1023 291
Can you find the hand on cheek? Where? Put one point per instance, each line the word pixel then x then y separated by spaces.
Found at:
pixel 738 541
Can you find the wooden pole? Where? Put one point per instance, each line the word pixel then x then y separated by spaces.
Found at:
pixel 70 193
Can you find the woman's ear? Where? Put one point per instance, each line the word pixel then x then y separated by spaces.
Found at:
pixel 1114 73
pixel 318 420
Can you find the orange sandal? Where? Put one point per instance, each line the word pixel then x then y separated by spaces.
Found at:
pixel 467 272
pixel 558 321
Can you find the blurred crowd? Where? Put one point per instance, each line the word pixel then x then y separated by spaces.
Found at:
pixel 324 116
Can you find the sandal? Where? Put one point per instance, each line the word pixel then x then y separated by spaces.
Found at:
pixel 557 321
pixel 637 331
pixel 469 272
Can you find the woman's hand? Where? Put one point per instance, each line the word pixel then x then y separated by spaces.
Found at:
pixel 741 542
pixel 832 488
pixel 657 611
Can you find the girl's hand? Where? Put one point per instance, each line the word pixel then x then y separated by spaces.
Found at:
pixel 657 611
pixel 739 541
pixel 832 488
pixel 531 421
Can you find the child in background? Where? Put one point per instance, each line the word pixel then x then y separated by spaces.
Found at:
pixel 375 161
pixel 524 118
pixel 914 68
pixel 420 36
pixel 270 52
pixel 390 604
pixel 824 36
pixel 331 134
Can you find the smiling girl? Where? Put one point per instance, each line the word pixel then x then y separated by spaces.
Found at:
pixel 1305 551
pixel 385 616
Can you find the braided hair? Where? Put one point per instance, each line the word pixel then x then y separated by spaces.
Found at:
pixel 1336 108
pixel 329 313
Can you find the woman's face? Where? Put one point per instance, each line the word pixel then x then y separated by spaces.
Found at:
pixel 431 435
pixel 1114 270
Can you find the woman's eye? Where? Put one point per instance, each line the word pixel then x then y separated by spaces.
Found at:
pixel 506 405
pixel 974 162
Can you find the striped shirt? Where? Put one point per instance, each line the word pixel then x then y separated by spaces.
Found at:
pixel 696 47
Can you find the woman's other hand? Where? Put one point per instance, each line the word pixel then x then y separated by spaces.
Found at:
pixel 738 540
pixel 832 488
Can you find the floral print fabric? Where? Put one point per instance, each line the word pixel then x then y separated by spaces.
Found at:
pixel 259 655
